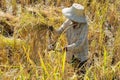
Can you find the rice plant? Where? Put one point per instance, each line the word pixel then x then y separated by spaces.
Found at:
pixel 24 55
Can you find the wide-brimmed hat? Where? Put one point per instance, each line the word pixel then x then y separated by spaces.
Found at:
pixel 75 13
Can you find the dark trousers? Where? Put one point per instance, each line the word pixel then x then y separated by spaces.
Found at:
pixel 79 66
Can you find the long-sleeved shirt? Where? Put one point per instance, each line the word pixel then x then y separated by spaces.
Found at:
pixel 77 40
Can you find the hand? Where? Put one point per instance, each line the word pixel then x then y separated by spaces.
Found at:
pixel 68 22
pixel 51 28
pixel 51 47
pixel 65 49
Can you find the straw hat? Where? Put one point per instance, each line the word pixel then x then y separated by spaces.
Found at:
pixel 75 13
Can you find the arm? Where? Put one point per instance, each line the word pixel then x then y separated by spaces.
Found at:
pixel 57 33
pixel 79 43
pixel 64 26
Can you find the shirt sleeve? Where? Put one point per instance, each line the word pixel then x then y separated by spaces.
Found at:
pixel 61 29
pixel 79 43
pixel 66 25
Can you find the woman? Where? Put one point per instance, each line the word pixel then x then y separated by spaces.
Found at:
pixel 76 30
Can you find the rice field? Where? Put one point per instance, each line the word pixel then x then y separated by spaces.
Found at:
pixel 24 33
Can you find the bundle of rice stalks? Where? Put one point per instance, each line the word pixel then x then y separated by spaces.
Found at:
pixel 34 29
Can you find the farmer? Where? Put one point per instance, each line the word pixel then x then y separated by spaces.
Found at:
pixel 76 29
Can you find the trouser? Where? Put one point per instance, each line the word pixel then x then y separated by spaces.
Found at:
pixel 79 66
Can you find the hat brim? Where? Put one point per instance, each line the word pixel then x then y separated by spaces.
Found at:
pixel 70 15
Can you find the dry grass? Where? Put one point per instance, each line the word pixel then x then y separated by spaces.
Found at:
pixel 25 57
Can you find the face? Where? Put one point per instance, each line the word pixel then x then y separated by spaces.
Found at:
pixel 74 23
